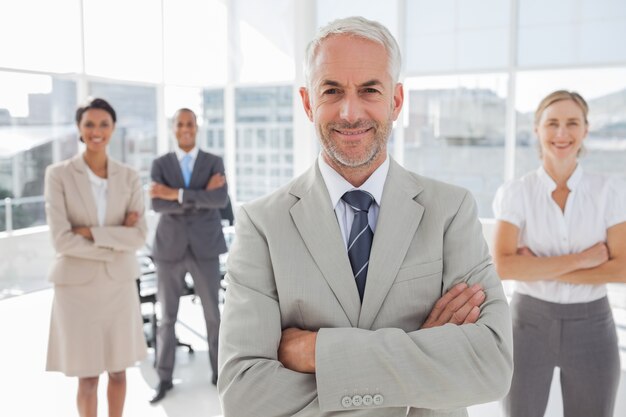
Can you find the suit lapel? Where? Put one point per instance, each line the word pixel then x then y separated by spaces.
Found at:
pixel 174 173
pixel 317 224
pixel 398 219
pixel 113 188
pixel 81 179
pixel 198 166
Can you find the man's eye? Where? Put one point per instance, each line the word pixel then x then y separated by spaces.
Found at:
pixel 370 91
pixel 331 91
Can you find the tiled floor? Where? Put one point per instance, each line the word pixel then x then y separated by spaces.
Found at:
pixel 26 390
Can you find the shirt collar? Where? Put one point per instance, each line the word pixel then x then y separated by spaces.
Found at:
pixel 180 154
pixel 550 184
pixel 337 185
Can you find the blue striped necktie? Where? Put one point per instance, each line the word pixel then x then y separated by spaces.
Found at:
pixel 361 236
pixel 185 167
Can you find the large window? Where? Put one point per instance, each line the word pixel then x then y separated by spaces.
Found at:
pixel 455 131
pixel 122 39
pixel 456 35
pixel 195 47
pixel 36 128
pixel 264 157
pixel 40 35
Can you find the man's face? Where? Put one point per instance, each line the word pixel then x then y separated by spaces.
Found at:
pixel 185 129
pixel 352 101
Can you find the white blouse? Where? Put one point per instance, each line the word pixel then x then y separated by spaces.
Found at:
pixel 99 190
pixel 595 203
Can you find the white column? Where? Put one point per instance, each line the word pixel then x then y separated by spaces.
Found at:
pixel 305 147
pixel 163 145
pixel 230 133
pixel 398 151
pixel 510 123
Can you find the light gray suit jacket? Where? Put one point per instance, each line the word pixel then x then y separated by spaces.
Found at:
pixel 288 267
pixel 70 203
pixel 195 224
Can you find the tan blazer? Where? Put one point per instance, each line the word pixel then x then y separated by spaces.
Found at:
pixel 288 267
pixel 70 203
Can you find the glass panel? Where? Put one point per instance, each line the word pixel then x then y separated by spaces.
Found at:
pixel 263 113
pixel 36 128
pixel 605 92
pixel 450 123
pixel 213 120
pixel 265 40
pixel 123 39
pixel 40 35
pixel 562 32
pixel 195 42
pixel 383 12
pixel 456 35
pixel 134 139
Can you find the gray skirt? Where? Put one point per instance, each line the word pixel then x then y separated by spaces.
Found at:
pixel 578 338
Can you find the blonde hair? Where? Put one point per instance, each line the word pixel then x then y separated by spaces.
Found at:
pixel 561 95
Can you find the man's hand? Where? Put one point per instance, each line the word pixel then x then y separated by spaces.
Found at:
pixel 460 305
pixel 297 350
pixel 216 181
pixel 83 231
pixel 163 192
pixel 131 219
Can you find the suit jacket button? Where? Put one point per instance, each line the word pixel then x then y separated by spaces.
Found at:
pixel 378 399
pixel 357 400
pixel 368 400
pixel 346 402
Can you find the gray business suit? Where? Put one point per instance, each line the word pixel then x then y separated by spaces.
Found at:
pixel 288 267
pixel 189 238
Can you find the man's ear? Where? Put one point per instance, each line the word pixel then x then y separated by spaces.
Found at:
pixel 306 102
pixel 398 99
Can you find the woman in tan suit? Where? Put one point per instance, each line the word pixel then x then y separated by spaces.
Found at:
pixel 94 208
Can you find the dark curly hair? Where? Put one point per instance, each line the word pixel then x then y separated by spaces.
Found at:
pixel 96 103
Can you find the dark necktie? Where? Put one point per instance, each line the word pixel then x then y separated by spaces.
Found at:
pixel 361 236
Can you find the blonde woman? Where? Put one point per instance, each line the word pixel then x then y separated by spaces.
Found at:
pixel 94 208
pixel 561 234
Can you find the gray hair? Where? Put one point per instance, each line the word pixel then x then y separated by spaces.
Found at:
pixel 360 27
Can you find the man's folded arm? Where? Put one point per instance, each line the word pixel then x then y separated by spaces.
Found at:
pixel 252 382
pixel 443 367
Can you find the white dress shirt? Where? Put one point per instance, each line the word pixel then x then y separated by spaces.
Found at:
pixel 595 203
pixel 337 186
pixel 99 188
pixel 180 154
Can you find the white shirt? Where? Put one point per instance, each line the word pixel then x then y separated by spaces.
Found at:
pixel 595 203
pixel 99 188
pixel 180 154
pixel 337 186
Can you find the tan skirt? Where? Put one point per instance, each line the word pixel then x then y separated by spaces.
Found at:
pixel 95 327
